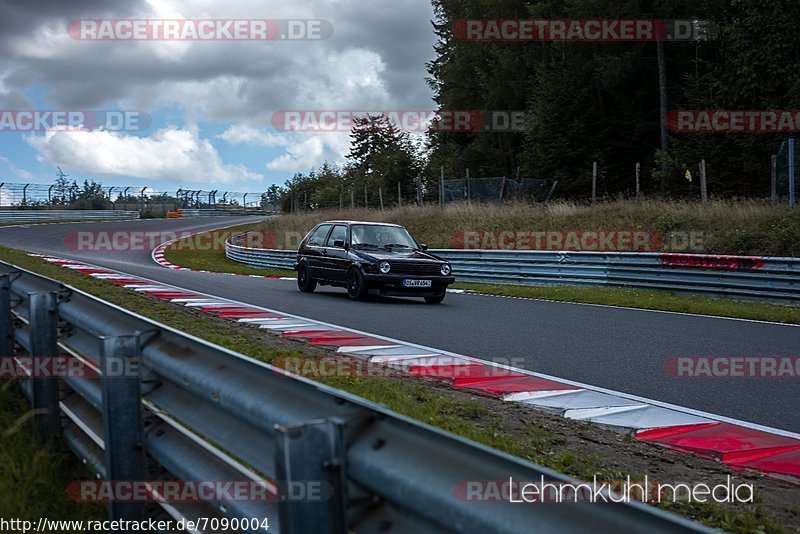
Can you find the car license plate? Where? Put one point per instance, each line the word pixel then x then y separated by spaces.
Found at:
pixel 416 283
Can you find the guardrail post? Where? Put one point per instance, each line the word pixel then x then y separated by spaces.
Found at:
pixel 123 432
pixel 792 170
pixel 44 336
pixel 311 473
pixel 6 324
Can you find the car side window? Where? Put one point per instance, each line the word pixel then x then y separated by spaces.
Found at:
pixel 339 234
pixel 317 237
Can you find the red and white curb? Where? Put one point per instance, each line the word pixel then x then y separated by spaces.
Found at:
pixel 737 444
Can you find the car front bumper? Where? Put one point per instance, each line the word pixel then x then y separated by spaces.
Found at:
pixel 392 284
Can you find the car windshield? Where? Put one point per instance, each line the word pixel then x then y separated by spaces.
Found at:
pixel 375 236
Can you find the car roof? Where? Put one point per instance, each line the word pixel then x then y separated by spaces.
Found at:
pixel 361 222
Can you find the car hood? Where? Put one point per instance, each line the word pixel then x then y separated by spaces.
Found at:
pixel 385 255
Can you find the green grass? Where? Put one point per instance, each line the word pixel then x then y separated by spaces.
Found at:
pixel 645 299
pixel 187 253
pixel 420 400
pixel 33 480
pixel 739 227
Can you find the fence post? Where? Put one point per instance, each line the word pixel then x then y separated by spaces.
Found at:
pixel 306 454
pixel 550 194
pixel 703 182
pixel 352 200
pixel 441 187
pixel 466 187
pixel 638 176
pixel 341 199
pixel 380 196
pixel 6 324
pixel 44 336
pixel 366 202
pixel 399 195
pixel 419 190
pixel 123 431
pixel 773 188
pixel 594 182
pixel 791 172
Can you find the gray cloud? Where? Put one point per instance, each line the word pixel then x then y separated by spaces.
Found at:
pixel 375 57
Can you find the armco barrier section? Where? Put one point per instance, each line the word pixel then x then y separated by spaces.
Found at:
pixel 735 276
pixel 64 215
pixel 194 411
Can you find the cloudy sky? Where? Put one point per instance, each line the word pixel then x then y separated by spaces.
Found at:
pixel 209 103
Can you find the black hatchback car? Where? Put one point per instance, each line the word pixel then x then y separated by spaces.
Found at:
pixel 370 258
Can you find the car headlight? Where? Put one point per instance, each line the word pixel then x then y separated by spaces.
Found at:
pixel 445 269
pixel 385 267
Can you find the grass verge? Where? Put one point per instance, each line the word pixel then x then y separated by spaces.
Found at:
pixel 577 449
pixel 740 227
pixel 33 480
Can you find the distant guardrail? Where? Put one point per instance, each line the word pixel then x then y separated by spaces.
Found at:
pixel 769 278
pixel 216 213
pixel 64 215
pixel 157 403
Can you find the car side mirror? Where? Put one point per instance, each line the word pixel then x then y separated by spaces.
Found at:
pixel 338 243
pixel 423 246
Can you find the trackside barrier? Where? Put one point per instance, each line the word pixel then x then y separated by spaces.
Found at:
pixel 735 276
pixel 195 411
pixel 64 215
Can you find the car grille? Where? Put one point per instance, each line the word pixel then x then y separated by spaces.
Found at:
pixel 422 269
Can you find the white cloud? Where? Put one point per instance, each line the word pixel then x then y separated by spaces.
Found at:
pixel 169 154
pixel 24 175
pixel 241 134
pixel 302 151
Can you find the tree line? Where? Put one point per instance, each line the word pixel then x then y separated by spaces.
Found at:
pixel 587 102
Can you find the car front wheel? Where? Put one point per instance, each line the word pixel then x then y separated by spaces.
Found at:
pixel 434 300
pixel 305 283
pixel 356 288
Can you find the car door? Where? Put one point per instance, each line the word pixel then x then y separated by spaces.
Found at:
pixel 314 250
pixel 335 258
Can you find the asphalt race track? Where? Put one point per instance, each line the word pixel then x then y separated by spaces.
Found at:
pixel 614 348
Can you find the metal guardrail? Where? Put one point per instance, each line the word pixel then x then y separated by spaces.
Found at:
pixel 61 215
pixel 218 213
pixel 195 411
pixel 764 278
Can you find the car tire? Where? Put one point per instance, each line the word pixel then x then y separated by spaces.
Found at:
pixel 356 288
pixel 305 282
pixel 434 300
